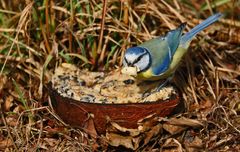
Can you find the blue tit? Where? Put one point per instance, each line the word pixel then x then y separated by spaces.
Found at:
pixel 158 58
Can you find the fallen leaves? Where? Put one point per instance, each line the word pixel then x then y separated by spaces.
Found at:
pixel 149 128
pixel 220 125
pixel 131 138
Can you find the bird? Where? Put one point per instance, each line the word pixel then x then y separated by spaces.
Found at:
pixel 158 58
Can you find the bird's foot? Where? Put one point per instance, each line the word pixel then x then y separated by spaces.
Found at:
pixel 163 84
pixel 160 86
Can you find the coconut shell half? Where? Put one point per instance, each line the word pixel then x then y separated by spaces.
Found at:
pixel 124 101
pixel 78 113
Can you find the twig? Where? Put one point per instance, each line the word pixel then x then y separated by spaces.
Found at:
pixel 102 26
pixel 8 129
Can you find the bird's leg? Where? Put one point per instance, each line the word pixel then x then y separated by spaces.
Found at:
pixel 163 84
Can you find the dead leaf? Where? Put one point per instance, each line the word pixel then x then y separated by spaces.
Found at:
pixel 172 145
pixel 12 120
pixel 117 135
pixel 18 109
pixel 120 140
pixel 173 129
pixel 177 125
pixel 55 130
pixel 8 103
pixel 148 122
pixel 90 128
pixel 152 133
pixel 5 143
pixel 114 127
pixel 51 141
pixel 192 142
pixel 3 80
pixel 131 138
pixel 150 126
pixel 207 104
pixel 203 106
pixel 183 121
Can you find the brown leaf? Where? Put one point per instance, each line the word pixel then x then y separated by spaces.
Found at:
pixel 207 104
pixel 152 133
pixel 150 126
pixel 203 106
pixel 172 145
pixel 51 141
pixel 114 127
pixel 3 80
pixel 5 143
pixel 57 129
pixel 90 128
pixel 192 142
pixel 131 138
pixel 182 121
pixel 12 120
pixel 177 125
pixel 126 141
pixel 8 103
pixel 173 129
pixel 148 122
pixel 117 135
pixel 18 109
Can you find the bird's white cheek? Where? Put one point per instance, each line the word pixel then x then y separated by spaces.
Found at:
pixel 143 63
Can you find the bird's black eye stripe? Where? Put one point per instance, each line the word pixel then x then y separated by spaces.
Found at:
pixel 139 58
pixel 126 60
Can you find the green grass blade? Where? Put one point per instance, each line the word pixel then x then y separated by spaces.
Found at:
pixel 21 95
pixel 84 59
pixel 214 4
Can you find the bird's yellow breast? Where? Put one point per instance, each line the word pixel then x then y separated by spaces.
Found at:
pixel 148 75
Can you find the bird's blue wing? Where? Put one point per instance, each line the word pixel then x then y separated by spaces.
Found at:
pixel 167 50
pixel 174 37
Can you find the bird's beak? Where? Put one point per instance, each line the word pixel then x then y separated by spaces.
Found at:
pixel 130 71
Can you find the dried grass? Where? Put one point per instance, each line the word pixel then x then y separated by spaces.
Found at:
pixel 34 40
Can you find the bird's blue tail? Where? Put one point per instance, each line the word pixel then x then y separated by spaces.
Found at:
pixel 190 35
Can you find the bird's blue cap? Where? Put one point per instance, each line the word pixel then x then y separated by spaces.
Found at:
pixel 136 50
